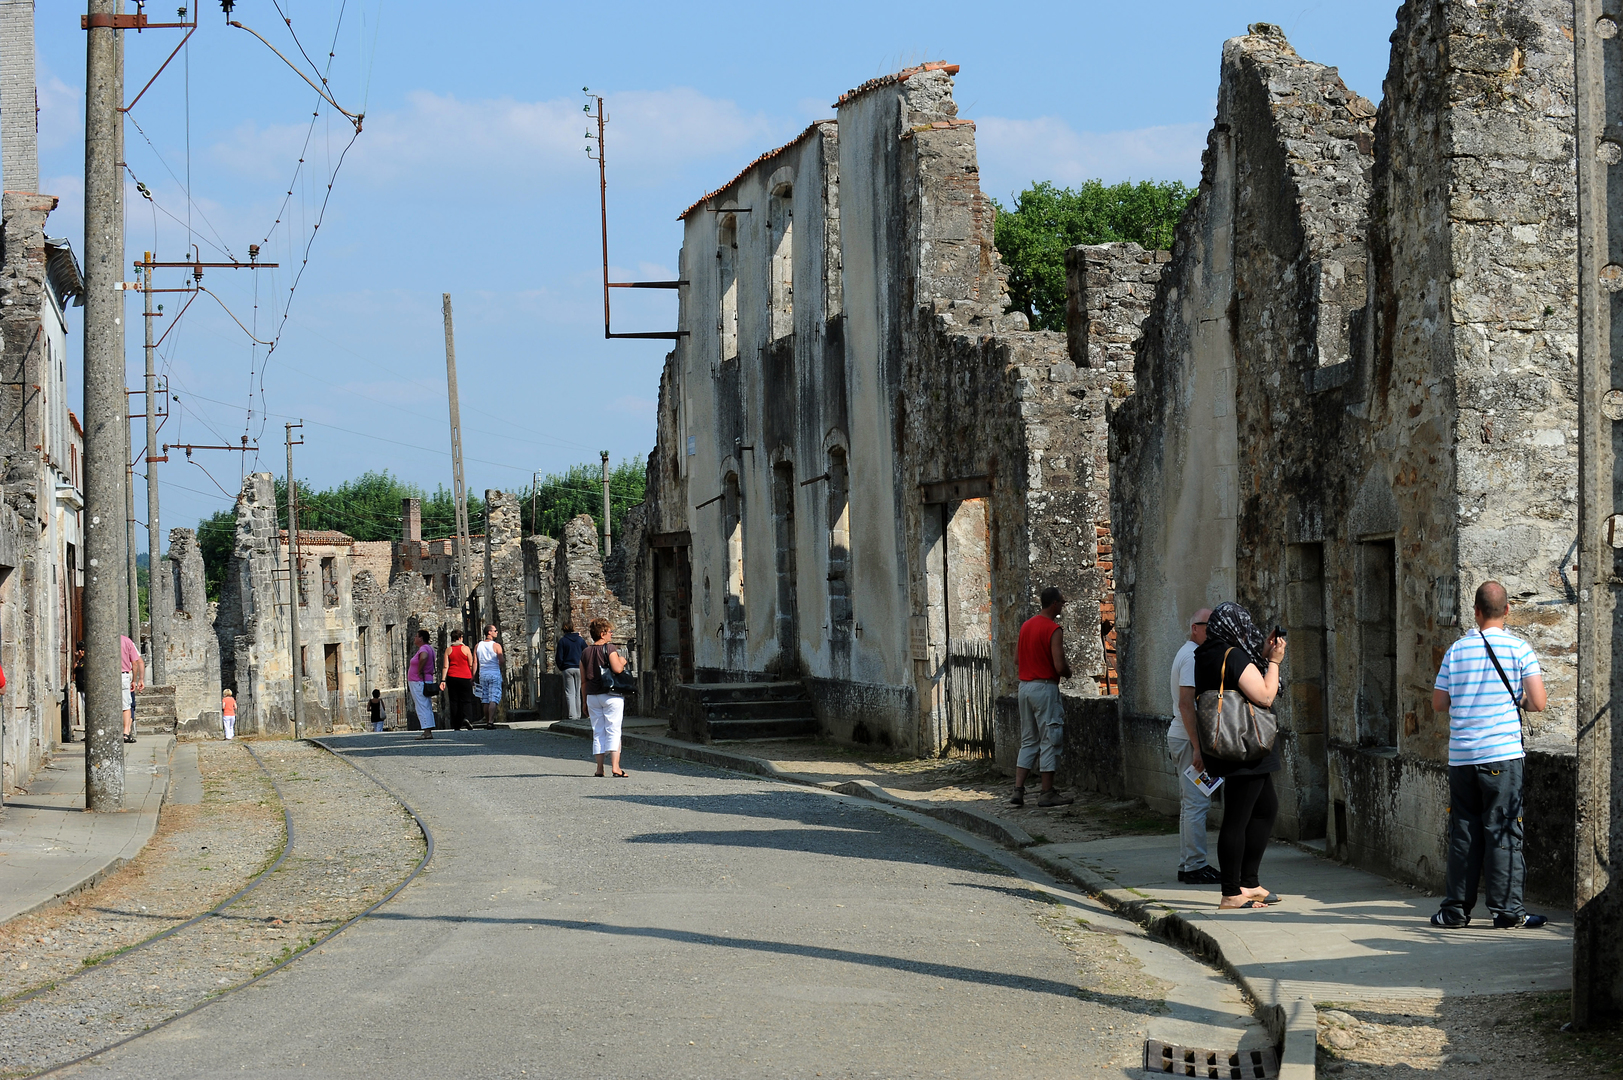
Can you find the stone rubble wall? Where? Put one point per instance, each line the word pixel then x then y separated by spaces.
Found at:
pixel 1108 291
pixel 192 650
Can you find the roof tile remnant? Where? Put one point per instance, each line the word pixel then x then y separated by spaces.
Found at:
pixel 768 156
pixel 900 76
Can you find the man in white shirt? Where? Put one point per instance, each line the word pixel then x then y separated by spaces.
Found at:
pixel 1183 747
pixel 1484 682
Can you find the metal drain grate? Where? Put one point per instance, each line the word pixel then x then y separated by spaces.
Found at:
pixel 1163 1059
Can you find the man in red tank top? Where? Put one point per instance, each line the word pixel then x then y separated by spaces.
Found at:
pixel 1040 654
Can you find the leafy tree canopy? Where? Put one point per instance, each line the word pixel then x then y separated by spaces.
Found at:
pixel 368 508
pixel 1032 237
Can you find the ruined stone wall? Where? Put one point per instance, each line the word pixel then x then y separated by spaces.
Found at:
pixel 192 651
pixel 505 585
pixel 581 593
pixel 1108 292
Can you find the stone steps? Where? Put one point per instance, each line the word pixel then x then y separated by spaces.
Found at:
pixel 721 712
pixel 155 711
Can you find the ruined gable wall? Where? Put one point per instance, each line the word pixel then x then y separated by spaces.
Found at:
pixel 1109 289
pixel 1303 170
pixel 504 575
pixel 1471 397
pixel 581 592
pixel 192 652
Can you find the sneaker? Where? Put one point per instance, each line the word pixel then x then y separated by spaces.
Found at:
pixel 1018 798
pixel 1447 920
pixel 1206 875
pixel 1054 798
pixel 1523 921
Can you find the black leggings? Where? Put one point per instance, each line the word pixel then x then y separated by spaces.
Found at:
pixel 1249 809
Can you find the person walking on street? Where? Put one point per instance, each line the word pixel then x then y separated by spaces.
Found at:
pixel 567 657
pixel 1040 653
pixel 1183 747
pixel 458 682
pixel 419 678
pixel 606 703
pixel 228 714
pixel 134 679
pixel 374 710
pixel 1237 657
pixel 1485 680
pixel 489 673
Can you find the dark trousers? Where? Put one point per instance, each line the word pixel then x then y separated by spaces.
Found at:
pixel 1485 837
pixel 460 691
pixel 1249 808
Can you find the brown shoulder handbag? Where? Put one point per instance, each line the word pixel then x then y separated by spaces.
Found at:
pixel 1230 727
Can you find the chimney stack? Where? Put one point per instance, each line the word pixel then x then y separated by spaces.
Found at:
pixel 411 520
pixel 19 101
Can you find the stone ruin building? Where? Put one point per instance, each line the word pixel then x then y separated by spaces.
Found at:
pixel 1345 398
pixel 865 469
pixel 361 604
pixel 1355 402
pixel 41 458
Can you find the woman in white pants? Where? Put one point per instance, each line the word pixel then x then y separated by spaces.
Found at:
pixel 606 705
pixel 421 680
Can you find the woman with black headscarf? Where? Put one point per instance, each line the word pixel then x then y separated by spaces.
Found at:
pixel 1237 657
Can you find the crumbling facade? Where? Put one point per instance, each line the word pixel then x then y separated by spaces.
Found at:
pixel 1354 402
pixel 866 470
pixel 41 457
pixel 191 648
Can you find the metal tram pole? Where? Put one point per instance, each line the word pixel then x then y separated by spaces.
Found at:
pixel 1597 940
pixel 157 602
pixel 606 538
pixel 105 410
pixel 295 570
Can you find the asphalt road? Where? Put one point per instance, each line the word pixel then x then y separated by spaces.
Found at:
pixel 683 922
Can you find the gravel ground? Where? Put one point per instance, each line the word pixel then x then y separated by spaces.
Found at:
pixel 352 843
pixel 1508 1036
pixel 965 780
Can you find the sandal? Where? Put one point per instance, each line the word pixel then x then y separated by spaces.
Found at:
pixel 622 774
pixel 1249 905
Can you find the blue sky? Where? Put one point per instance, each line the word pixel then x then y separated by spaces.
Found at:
pixel 470 177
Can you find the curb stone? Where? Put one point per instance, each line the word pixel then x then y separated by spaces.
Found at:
pixel 1293 1024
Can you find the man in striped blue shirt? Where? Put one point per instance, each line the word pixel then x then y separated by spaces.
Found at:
pixel 1485 764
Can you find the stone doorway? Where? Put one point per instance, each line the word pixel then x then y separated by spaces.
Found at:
pixel 786 618
pixel 957 534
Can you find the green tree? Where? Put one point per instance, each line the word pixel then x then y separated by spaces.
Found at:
pixel 560 497
pixel 1045 220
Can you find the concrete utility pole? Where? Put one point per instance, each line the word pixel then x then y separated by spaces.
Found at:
pixel 105 410
pixel 606 539
pixel 132 605
pixel 1597 940
pixel 458 488
pixel 157 606
pixel 295 572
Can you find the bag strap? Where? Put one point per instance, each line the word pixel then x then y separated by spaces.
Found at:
pixel 1514 700
pixel 1223 672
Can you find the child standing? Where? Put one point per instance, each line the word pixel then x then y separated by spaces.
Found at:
pixel 375 707
pixel 228 714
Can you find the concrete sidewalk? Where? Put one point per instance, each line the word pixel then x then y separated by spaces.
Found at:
pixel 51 847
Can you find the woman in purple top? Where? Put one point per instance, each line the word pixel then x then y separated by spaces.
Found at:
pixel 420 674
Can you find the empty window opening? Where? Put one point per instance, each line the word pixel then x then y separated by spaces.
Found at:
pixel 787 618
pixel 727 268
pixel 839 545
pixel 781 236
pixel 329 582
pixel 175 583
pixel 1377 644
pixel 330 657
pixel 732 518
pixel 1307 664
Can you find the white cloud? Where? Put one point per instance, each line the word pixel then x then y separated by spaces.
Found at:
pixel 433 135
pixel 1013 153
